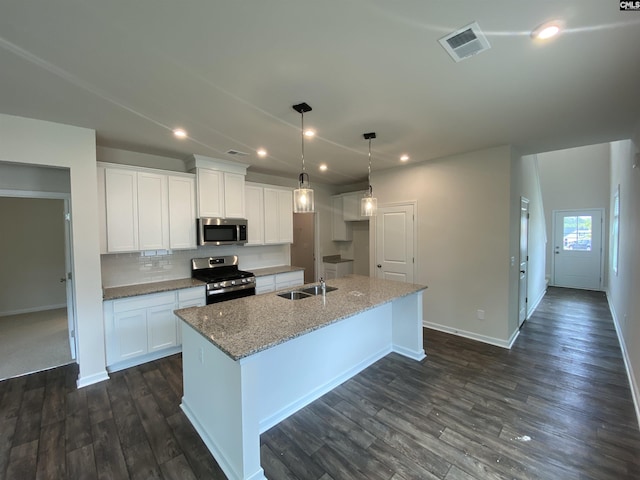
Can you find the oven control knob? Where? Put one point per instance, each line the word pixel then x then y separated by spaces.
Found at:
pixel 244 280
pixel 233 282
pixel 216 285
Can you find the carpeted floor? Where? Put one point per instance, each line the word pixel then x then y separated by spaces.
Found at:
pixel 31 342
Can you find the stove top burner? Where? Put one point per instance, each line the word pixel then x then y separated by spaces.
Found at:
pixel 221 274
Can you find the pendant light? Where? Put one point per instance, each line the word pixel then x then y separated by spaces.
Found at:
pixel 369 204
pixel 303 195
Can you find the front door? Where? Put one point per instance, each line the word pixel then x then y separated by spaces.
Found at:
pixel 394 243
pixel 524 260
pixel 577 249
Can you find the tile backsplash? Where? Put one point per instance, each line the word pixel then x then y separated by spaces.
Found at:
pixel 121 269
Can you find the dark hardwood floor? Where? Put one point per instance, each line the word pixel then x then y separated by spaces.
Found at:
pixel 555 406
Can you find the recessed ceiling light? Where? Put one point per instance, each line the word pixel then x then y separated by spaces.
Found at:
pixel 547 30
pixel 309 133
pixel 261 152
pixel 323 167
pixel 180 133
pixel 404 158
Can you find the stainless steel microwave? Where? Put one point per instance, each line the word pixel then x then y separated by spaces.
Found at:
pixel 222 231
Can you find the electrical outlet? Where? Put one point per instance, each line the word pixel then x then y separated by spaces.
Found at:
pixel 480 314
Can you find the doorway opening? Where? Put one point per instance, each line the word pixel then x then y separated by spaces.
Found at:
pixel 37 321
pixel 577 260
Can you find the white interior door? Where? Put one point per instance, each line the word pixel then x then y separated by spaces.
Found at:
pixel 577 248
pixel 71 312
pixel 524 260
pixel 394 243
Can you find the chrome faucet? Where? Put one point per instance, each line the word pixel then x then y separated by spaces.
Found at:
pixel 323 286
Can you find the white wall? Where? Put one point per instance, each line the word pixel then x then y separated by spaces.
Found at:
pixel 575 178
pixel 464 238
pixel 30 266
pixel 16 176
pixel 622 289
pixel 536 286
pixel 35 142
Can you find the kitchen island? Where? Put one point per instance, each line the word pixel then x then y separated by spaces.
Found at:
pixel 249 363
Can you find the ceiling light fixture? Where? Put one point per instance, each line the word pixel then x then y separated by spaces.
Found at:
pixel 309 133
pixel 369 204
pixel 404 158
pixel 261 152
pixel 180 133
pixel 323 167
pixel 303 195
pixel 547 30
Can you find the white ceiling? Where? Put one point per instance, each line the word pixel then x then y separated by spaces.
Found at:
pixel 229 71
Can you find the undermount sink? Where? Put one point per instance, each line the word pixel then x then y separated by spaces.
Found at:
pixel 295 295
pixel 317 289
pixel 305 292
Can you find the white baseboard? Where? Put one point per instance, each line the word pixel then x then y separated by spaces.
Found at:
pixel 473 336
pixel 91 379
pixel 635 387
pixel 534 305
pixel 20 311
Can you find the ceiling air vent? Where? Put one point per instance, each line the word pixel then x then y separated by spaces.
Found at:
pixel 466 42
pixel 237 153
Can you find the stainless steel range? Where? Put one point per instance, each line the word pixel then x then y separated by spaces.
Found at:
pixel 223 278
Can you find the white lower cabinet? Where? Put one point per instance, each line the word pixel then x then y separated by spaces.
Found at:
pixel 144 328
pixel 278 281
pixel 337 270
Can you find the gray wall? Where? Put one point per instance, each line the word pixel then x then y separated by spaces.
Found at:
pixel 31 266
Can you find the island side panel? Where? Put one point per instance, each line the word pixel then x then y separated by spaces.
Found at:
pixel 220 404
pixel 407 326
pixel 295 373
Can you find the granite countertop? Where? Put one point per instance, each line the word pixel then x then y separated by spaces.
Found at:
pixel 263 272
pixel 113 293
pixel 245 326
pixel 335 259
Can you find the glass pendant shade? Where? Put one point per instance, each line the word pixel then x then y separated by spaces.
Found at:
pixel 303 200
pixel 368 206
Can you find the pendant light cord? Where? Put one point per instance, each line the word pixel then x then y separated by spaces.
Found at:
pixel 370 187
pixel 302 137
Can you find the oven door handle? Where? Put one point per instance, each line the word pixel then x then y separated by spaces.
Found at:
pixel 233 288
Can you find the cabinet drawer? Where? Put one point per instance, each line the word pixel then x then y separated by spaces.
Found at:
pixel 289 279
pixel 191 294
pixel 144 301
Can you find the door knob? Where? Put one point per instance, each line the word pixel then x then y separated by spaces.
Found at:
pixel 522 271
pixel 379 266
pixel 62 280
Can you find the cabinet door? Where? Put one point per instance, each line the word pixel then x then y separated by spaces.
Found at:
pixel 340 230
pixel 254 204
pixel 102 210
pixel 130 332
pixel 285 216
pixel 351 207
pixel 153 211
pixel 234 195
pixel 121 198
pixel 330 271
pixel 210 193
pixel 161 327
pixel 265 284
pixel 182 212
pixel 271 221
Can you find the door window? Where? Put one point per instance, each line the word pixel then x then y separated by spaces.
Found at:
pixel 577 233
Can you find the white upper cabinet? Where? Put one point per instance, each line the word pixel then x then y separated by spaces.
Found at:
pixel 269 214
pixel 351 207
pixel 220 187
pixel 340 230
pixel 153 211
pixel 278 215
pixel 121 194
pixel 210 193
pixel 254 204
pixel 145 209
pixel 182 212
